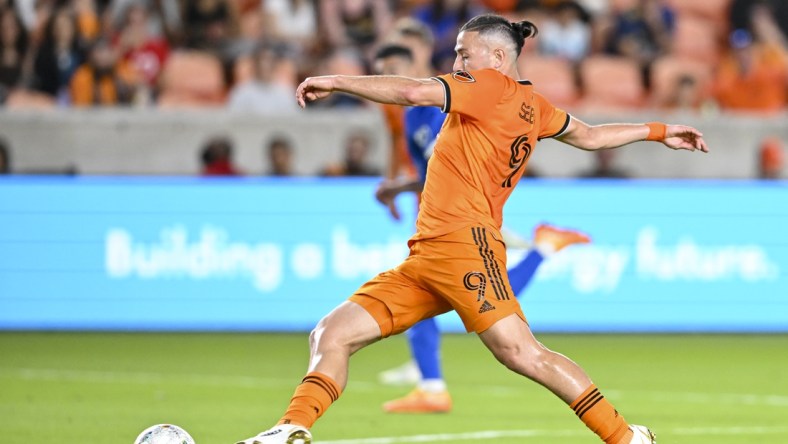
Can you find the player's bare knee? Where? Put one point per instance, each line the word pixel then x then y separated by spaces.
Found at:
pixel 330 335
pixel 323 335
pixel 510 355
pixel 522 359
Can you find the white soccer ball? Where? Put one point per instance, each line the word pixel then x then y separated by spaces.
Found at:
pixel 642 435
pixel 164 434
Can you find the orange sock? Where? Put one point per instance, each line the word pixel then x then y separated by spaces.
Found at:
pixel 311 398
pixel 599 415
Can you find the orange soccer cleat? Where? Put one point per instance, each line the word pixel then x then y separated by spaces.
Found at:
pixel 420 401
pixel 558 238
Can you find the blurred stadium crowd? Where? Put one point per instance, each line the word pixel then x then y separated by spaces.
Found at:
pixel 250 54
pixel 697 56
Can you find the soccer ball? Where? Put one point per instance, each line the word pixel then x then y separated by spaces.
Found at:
pixel 642 435
pixel 164 434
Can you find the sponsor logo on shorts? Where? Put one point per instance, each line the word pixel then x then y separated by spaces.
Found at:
pixel 486 306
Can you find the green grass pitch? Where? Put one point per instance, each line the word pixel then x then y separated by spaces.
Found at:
pixel 107 387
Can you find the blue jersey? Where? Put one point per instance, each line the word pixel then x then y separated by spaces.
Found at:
pixel 422 124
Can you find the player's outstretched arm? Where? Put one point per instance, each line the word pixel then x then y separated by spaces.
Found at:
pixel 599 137
pixel 394 90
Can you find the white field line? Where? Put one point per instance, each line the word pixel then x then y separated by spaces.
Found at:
pixel 145 378
pixel 498 434
pixel 483 435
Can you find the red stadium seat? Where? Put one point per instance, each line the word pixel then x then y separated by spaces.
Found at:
pixel 666 72
pixel 553 77
pixel 192 78
pixel 697 39
pixel 611 82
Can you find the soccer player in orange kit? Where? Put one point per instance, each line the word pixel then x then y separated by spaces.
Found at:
pixel 457 260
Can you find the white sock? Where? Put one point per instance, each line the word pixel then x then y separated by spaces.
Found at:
pixel 546 249
pixel 433 385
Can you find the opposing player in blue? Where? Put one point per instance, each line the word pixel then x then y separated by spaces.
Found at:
pixel 409 55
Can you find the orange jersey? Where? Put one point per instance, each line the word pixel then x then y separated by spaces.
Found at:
pixel 492 127
pixel 399 161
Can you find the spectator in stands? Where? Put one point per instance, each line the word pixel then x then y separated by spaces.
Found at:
pixel 102 81
pixel 141 50
pixel 444 17
pixel 567 34
pixel 37 15
pixel 685 94
pixel 771 159
pixel 357 148
pixel 767 30
pixel 163 17
pixel 5 158
pixel 280 157
pixel 208 24
pixel 416 36
pixel 252 29
pixel 346 61
pixel 752 76
pixel 595 8
pixel 356 23
pixel 271 88
pixel 293 21
pixel 59 56
pixel 641 30
pixel 744 12
pixel 217 158
pixel 506 7
pixel 418 39
pixel 25 9
pixel 604 168
pixel 13 52
pixel 88 23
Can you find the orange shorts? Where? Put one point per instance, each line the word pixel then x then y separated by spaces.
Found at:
pixel 463 271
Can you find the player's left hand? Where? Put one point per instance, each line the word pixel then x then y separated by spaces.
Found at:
pixel 680 137
pixel 314 88
pixel 386 194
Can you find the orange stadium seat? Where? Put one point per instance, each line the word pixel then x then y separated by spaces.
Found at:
pixel 697 39
pixel 666 72
pixel 192 78
pixel 553 77
pixel 611 82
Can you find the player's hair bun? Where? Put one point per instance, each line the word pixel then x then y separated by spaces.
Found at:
pixel 525 29
pixel 493 23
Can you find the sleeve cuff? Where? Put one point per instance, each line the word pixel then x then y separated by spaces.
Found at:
pixel 446 94
pixel 562 130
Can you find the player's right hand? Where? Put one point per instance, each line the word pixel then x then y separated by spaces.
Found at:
pixel 314 88
pixel 681 137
